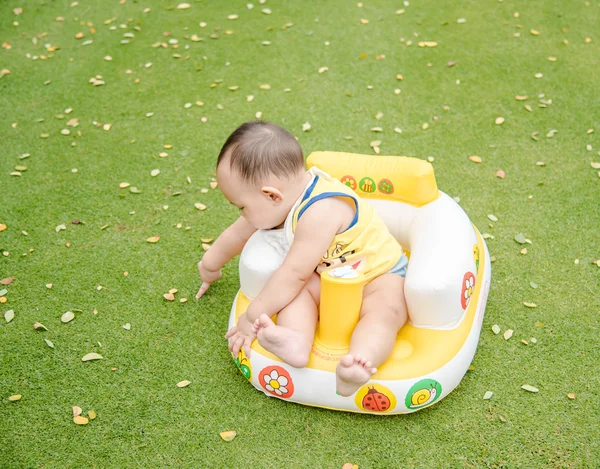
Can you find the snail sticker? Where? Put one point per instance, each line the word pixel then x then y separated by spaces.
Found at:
pixel 277 381
pixel 423 393
pixel 243 364
pixel 375 397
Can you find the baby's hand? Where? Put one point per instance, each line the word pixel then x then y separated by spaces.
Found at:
pixel 208 277
pixel 241 336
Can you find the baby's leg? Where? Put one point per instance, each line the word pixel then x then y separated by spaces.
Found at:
pixel 292 338
pixel 382 315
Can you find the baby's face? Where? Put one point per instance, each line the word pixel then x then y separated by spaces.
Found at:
pixel 258 208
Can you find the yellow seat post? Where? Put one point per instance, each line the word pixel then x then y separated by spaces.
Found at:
pixel 341 300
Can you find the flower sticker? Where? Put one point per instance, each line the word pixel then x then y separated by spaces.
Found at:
pixel 468 287
pixel 349 181
pixel 277 381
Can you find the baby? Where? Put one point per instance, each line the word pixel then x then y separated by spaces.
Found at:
pixel 261 171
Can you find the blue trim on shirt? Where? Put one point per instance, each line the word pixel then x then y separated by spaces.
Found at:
pixel 325 195
pixel 310 189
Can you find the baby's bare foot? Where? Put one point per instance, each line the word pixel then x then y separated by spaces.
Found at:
pixel 286 343
pixel 351 373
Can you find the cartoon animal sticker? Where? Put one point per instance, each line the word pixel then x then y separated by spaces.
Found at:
pixel 243 363
pixel 375 397
pixel 367 185
pixel 468 288
pixel 423 393
pixel 277 381
pixel 349 181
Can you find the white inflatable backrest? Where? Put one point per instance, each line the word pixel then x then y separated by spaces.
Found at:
pixel 440 238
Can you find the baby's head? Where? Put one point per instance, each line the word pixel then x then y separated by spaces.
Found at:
pixel 259 170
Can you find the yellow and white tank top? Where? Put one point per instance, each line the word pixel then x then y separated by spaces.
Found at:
pixel 366 245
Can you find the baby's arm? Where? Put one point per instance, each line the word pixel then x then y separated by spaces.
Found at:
pixel 313 236
pixel 228 245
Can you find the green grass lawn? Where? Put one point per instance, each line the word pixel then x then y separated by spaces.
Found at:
pixel 143 419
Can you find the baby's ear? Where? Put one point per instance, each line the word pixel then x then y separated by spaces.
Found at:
pixel 272 193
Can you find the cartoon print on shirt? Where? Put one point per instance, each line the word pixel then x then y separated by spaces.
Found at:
pixel 336 256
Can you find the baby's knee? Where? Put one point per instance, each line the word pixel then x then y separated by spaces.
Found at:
pixel 393 313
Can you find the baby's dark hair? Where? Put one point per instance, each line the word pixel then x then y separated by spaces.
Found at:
pixel 257 149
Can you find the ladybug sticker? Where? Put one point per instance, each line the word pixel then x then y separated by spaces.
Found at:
pixel 375 398
pixel 385 186
pixel 349 181
pixel 243 364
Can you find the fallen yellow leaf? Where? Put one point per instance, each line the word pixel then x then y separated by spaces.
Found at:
pixel 76 411
pixel 571 395
pixel 92 415
pixel 475 159
pixel 529 305
pixel 153 239
pixel 183 384
pixel 228 436
pixel 79 420
pixel 15 397
pixel 169 296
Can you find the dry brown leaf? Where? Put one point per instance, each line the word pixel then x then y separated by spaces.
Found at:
pixel 7 280
pixel 169 296
pixel 76 411
pixel 500 174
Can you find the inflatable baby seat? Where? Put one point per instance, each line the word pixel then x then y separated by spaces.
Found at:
pixel 446 289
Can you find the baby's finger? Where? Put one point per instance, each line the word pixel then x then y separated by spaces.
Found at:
pixel 231 332
pixel 247 349
pixel 203 289
pixel 239 341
